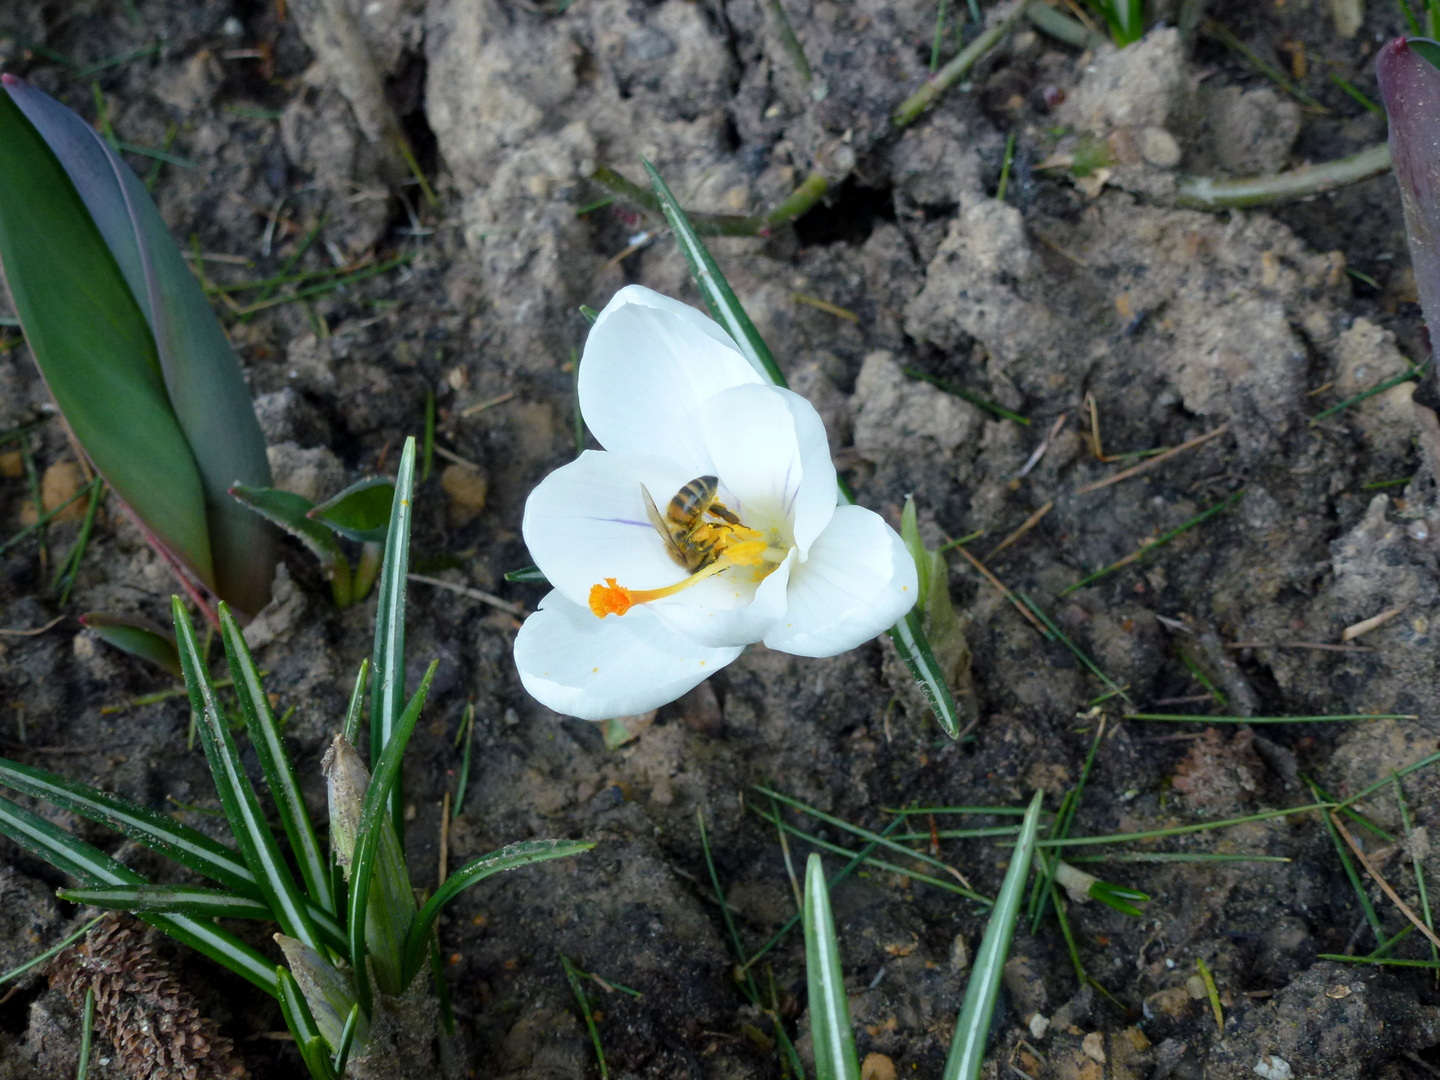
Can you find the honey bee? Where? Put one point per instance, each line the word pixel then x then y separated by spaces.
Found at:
pixel 691 540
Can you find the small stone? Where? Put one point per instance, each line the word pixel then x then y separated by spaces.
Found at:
pixel 467 489
pixel 960 955
pixel 1196 987
pixel 1094 1047
pixel 60 482
pixel 1039 1025
pixel 877 1067
pixel 12 464
pixel 1159 148
pixel 1271 1067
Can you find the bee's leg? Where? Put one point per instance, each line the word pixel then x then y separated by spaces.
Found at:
pixel 720 510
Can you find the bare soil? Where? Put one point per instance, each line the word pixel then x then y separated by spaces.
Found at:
pixel 1177 323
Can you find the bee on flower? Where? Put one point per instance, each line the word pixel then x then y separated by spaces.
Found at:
pixel 710 521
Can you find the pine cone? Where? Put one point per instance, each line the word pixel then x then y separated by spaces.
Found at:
pixel 140 1008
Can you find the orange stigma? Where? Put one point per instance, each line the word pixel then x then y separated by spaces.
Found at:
pixel 609 599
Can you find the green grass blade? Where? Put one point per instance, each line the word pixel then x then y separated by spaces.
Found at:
pixel 361 512
pixel 530 575
pixel 93 867
pixel 369 835
pixel 156 831
pixel 54 950
pixel 967 1052
pixel 387 664
pixel 830 1032
pixel 329 992
pixel 91 340
pixel 87 1033
pixel 191 900
pixel 509 857
pixel 288 511
pixel 908 635
pixel 302 1025
pixel 136 637
pixel 237 797
pixel 357 702
pixel 714 289
pixel 275 761
pixel 347 1040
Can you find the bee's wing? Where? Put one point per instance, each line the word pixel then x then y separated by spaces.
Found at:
pixel 660 527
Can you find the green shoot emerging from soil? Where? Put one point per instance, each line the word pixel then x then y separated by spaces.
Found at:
pixel 354 988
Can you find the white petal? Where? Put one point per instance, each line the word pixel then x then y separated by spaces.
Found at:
pixel 586 522
pixel 729 608
pixel 650 363
pixel 772 457
pixel 596 669
pixel 858 581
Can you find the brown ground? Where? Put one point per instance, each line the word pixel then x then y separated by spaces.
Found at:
pixel 1177 322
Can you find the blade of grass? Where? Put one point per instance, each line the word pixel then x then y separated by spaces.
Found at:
pixel 1159 542
pixel 510 857
pixel 587 1013
pixel 864 834
pixel 386 943
pixel 275 762
pixel 856 859
pixel 357 702
pixel 93 867
pixel 87 1033
pixel 1385 961
pixel 1201 718
pixel 302 1026
pixel 1420 889
pixel 967 1052
pixel 967 395
pixel 939 37
pixel 1353 875
pixel 908 635
pixel 237 797
pixel 1425 762
pixel 187 846
pixel 427 459
pixel 54 950
pixel 831 1037
pixel 387 696
pixel 347 1039
pixel 190 900
pixel 1354 815
pixel 1181 830
pixel 70 569
pixel 910 110
pixel 1090 665
pixel 467 732
pixel 1378 388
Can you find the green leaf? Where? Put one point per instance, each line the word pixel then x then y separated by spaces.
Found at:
pixel 54 950
pixel 92 343
pixel 357 702
pixel 530 575
pixel 275 762
pixel 830 1032
pixel 136 637
pixel 908 635
pixel 507 858
pixel 914 649
pixel 360 512
pixel 328 991
pixel 715 290
pixel 910 533
pixel 386 938
pixel 237 796
pixel 289 511
pixel 185 845
pixel 302 1025
pixel 192 900
pixel 93 867
pixel 203 386
pixel 967 1052
pixel 387 664
pixel 347 1040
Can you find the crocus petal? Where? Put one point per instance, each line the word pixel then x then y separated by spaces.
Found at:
pixel 858 581
pixel 772 456
pixel 586 522
pixel 729 608
pixel 650 363
pixel 596 669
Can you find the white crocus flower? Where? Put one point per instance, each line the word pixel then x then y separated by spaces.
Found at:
pixel 635 618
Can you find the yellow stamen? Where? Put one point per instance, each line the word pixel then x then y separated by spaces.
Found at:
pixel 612 598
